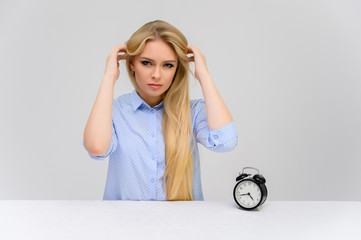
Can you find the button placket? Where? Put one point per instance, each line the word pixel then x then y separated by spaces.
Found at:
pixel 152 133
pixel 154 116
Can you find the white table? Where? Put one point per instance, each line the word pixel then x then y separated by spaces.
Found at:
pixel 50 220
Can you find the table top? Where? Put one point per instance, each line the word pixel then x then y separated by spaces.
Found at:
pixel 57 219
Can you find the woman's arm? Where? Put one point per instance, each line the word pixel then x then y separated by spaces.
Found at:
pixel 98 129
pixel 218 114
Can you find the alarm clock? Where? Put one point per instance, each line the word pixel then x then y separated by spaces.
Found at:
pixel 250 191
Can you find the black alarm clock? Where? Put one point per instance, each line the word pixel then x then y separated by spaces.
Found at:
pixel 250 191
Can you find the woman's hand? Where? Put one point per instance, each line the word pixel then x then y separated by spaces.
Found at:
pixel 112 64
pixel 200 63
pixel 217 113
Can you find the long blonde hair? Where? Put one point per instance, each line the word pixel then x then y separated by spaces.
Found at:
pixel 177 124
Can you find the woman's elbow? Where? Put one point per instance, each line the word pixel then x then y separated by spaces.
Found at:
pixel 96 150
pixel 225 146
pixel 231 144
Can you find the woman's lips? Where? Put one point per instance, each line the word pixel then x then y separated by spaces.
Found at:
pixel 155 86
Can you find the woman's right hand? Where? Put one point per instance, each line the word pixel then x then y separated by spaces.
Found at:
pixel 112 64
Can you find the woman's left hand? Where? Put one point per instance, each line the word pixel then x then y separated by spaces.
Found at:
pixel 199 60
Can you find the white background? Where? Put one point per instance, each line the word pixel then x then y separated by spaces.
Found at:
pixel 289 71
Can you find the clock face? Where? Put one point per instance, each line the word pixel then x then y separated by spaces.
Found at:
pixel 248 194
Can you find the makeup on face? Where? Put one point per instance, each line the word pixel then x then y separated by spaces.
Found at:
pixel 154 70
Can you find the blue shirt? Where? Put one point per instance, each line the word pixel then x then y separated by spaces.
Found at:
pixel 136 153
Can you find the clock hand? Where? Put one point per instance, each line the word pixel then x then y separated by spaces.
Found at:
pixel 249 194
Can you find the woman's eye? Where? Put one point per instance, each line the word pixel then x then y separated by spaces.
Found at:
pixel 168 65
pixel 146 63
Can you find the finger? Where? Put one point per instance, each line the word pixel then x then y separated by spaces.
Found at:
pixel 190 52
pixel 119 52
pixel 189 49
pixel 121 56
pixel 119 48
pixel 192 49
pixel 122 53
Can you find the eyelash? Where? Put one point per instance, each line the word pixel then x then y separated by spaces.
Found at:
pixel 167 65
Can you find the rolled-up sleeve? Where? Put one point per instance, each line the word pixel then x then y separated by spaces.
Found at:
pixel 114 141
pixel 223 139
pixel 112 147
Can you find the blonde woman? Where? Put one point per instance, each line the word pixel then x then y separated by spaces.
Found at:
pixel 151 134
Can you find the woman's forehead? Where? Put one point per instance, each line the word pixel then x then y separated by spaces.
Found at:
pixel 158 50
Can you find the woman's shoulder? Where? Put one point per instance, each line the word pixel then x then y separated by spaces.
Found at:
pixel 124 97
pixel 197 106
pixel 197 103
pixel 123 101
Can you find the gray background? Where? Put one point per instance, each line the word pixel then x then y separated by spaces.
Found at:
pixel 289 71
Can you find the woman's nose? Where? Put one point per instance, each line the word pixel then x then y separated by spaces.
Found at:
pixel 156 73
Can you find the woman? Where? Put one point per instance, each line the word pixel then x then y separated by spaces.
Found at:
pixel 151 134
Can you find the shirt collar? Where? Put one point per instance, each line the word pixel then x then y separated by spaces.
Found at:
pixel 138 102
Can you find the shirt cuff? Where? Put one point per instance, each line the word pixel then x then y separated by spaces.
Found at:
pixel 98 157
pixel 223 139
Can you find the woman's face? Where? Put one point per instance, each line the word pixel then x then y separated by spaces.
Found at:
pixel 154 70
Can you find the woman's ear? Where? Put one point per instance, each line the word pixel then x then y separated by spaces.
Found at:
pixel 130 61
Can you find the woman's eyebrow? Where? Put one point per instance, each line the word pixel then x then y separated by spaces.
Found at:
pixel 149 59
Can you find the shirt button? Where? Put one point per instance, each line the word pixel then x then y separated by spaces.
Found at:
pixel 152 134
pixel 152 180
